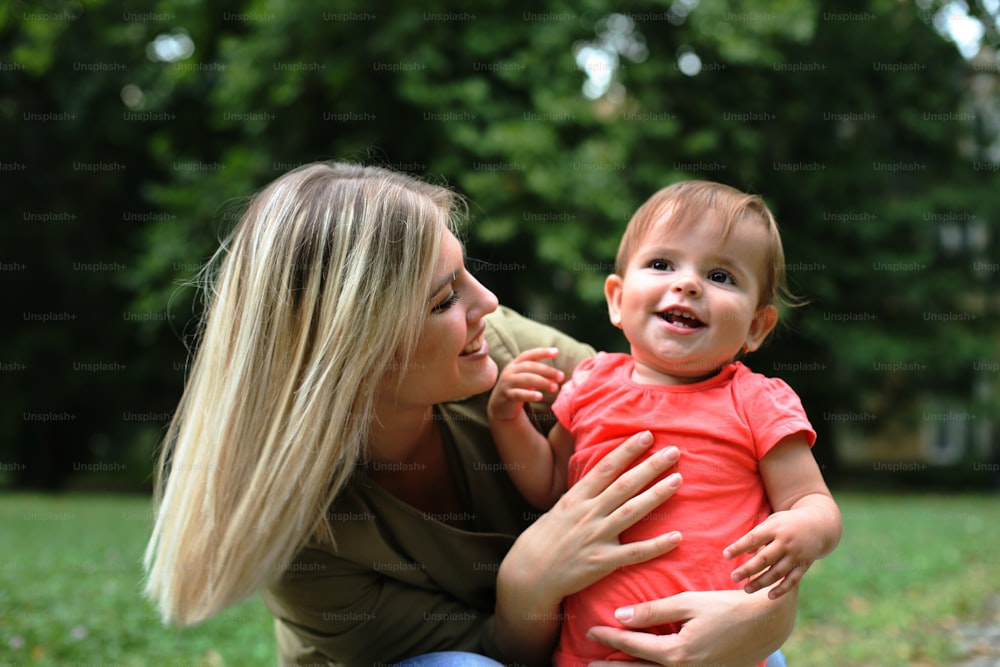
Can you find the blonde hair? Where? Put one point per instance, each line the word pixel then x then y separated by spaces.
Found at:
pixel 318 293
pixel 684 204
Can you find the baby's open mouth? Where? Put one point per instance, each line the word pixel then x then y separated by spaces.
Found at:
pixel 681 318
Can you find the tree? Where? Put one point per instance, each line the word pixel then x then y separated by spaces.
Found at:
pixel 556 123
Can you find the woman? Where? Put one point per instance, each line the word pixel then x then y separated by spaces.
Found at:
pixel 331 447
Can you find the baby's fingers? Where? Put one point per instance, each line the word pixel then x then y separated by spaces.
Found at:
pixel 537 354
pixel 787 571
pixel 749 543
pixel 759 563
pixel 515 395
pixel 769 560
pixel 533 361
pixel 790 581
pixel 533 378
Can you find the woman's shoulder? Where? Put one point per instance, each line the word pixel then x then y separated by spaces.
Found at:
pixel 509 333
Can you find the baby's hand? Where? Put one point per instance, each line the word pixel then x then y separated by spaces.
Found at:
pixel 522 381
pixel 782 549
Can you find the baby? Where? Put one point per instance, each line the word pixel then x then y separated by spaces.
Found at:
pixel 697 282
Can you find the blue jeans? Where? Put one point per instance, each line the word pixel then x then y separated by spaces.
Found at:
pixel 463 659
pixel 776 659
pixel 449 659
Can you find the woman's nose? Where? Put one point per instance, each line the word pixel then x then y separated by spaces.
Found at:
pixel 484 301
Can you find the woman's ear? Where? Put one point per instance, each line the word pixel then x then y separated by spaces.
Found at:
pixel 613 294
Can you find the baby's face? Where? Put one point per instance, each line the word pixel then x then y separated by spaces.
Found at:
pixel 688 302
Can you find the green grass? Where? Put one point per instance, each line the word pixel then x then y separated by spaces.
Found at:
pixel 908 570
pixel 70 581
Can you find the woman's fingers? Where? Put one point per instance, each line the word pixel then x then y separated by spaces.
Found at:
pixel 590 516
pixel 726 628
pixel 640 645
pixel 639 506
pixel 625 495
pixel 643 550
pixel 608 471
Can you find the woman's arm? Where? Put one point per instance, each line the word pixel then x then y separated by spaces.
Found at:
pixel 339 612
pixel 576 543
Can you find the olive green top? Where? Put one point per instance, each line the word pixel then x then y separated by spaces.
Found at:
pixel 401 582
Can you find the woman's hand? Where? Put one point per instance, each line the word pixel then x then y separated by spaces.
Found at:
pixel 576 543
pixel 726 628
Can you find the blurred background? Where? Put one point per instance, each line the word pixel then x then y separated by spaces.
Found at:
pixel 132 134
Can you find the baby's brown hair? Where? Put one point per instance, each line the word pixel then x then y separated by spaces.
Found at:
pixel 684 204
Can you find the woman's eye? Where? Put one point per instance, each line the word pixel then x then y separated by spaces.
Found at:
pixel 446 304
pixel 720 277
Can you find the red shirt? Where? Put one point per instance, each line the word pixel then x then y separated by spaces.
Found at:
pixel 723 426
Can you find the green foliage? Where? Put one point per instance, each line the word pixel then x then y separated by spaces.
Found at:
pixel 862 126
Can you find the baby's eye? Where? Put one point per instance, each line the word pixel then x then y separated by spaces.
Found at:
pixel 720 276
pixel 660 265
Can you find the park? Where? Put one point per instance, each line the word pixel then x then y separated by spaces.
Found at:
pixel 132 140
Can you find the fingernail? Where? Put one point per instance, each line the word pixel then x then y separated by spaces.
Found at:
pixel 670 453
pixel 674 481
pixel 674 538
pixel 645 438
pixel 625 613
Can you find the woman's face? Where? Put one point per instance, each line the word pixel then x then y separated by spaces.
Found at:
pixel 451 360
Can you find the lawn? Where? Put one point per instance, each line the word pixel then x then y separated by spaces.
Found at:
pixel 909 570
pixel 70 576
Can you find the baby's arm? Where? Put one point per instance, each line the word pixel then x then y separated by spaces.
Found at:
pixel 536 465
pixel 806 523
